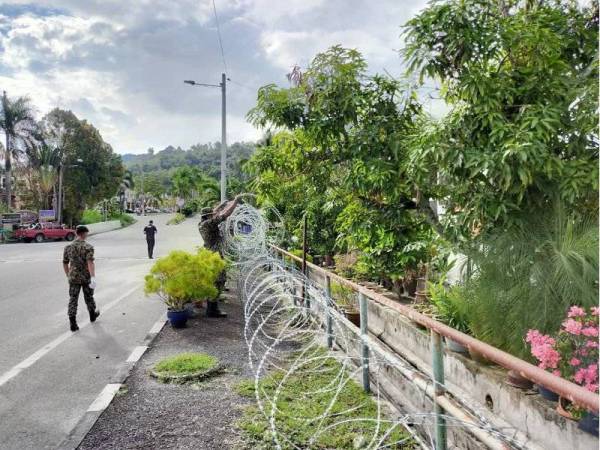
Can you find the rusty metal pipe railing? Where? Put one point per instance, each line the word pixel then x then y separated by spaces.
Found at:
pixel 571 391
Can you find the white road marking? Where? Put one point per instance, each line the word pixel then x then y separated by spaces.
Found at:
pixel 36 356
pixel 105 397
pixel 137 353
pixel 158 325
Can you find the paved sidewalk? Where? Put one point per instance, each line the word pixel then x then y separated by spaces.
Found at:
pixel 147 414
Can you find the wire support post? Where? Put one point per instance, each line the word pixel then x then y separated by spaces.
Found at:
pixel 437 353
pixel 329 313
pixel 364 331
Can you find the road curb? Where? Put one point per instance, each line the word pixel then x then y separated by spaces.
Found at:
pixel 106 396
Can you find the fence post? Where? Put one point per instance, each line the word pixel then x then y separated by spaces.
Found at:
pixel 364 330
pixel 328 312
pixel 438 389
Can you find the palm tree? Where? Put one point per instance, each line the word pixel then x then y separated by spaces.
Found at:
pixel 18 125
pixel 47 178
pixel 126 184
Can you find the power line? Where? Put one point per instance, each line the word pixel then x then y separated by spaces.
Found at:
pixel 219 34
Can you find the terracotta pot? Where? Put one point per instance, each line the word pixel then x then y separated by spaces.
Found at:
pixel 353 316
pixel 514 378
pixel 562 406
pixel 478 357
pixel 410 286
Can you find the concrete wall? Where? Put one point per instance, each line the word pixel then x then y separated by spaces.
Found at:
pixel 102 227
pixel 524 415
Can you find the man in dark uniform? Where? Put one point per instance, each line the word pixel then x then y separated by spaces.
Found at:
pixel 150 230
pixel 78 264
pixel 211 235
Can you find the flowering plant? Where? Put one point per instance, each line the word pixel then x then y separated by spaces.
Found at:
pixel 573 352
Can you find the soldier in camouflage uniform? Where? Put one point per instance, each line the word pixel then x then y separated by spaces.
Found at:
pixel 78 264
pixel 211 235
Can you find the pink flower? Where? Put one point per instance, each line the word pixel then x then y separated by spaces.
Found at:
pixel 591 344
pixel 580 376
pixel 574 362
pixel 576 311
pixel 592 387
pixel 595 311
pixel 556 373
pixel 590 331
pixel 572 326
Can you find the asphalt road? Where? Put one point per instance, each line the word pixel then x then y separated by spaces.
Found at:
pixel 48 375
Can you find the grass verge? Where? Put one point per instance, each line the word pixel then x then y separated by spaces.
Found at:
pixel 176 220
pixel 186 363
pixel 302 412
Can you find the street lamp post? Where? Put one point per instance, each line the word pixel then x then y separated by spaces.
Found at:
pixel 223 86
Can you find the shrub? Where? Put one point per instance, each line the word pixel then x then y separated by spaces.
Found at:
pixel 298 252
pixel 124 218
pixel 344 296
pixel 91 216
pixel 450 305
pixel 176 219
pixel 573 352
pixel 530 275
pixel 181 277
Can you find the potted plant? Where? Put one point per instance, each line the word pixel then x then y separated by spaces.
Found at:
pixel 572 353
pixel 450 308
pixel 346 299
pixel 181 277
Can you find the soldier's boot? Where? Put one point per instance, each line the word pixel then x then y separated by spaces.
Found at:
pixel 94 315
pixel 73 322
pixel 212 310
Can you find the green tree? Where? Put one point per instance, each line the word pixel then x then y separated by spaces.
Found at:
pixel 92 169
pixel 521 79
pixel 351 136
pixel 18 124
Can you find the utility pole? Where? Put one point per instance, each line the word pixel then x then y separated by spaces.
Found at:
pixel 223 86
pixel 223 137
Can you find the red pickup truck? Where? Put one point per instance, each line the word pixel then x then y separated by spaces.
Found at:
pixel 39 232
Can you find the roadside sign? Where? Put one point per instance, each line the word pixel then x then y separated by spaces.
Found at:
pixel 47 215
pixel 11 218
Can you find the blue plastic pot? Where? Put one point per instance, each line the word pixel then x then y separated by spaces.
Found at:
pixel 547 393
pixel 589 423
pixel 178 319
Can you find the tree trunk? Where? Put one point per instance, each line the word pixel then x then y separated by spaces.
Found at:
pixel 8 165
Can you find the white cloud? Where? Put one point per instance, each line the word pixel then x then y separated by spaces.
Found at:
pixel 120 64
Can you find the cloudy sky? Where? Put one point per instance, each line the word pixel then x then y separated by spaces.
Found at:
pixel 120 63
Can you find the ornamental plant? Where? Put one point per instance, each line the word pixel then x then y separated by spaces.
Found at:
pixel 182 277
pixel 573 352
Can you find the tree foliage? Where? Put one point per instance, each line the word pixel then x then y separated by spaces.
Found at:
pixel 521 79
pixel 342 162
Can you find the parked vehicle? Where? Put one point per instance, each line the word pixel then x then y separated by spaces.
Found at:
pixel 39 232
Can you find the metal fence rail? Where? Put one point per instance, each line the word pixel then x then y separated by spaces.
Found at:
pixel 577 394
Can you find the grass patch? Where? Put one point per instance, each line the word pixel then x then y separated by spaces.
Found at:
pixel 91 216
pixel 176 219
pixel 125 219
pixel 304 398
pixel 186 363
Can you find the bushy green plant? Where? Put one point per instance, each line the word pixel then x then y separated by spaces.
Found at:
pixel 450 305
pixel 91 216
pixel 182 277
pixel 344 296
pixel 298 252
pixel 124 218
pixel 528 277
pixel 176 219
